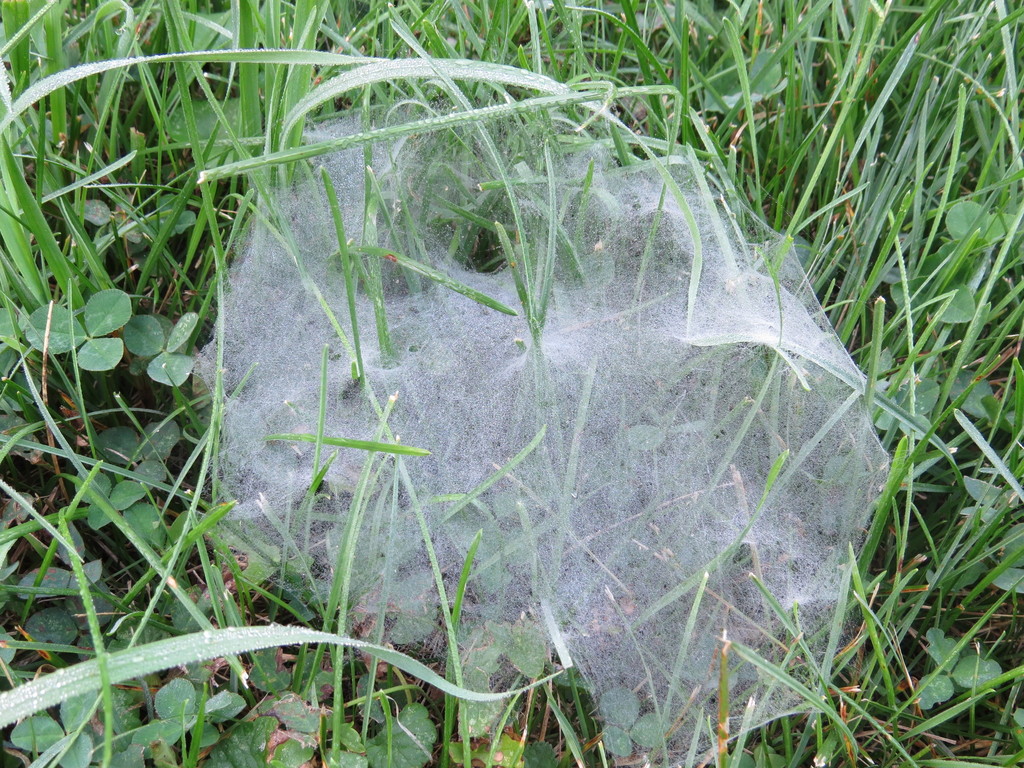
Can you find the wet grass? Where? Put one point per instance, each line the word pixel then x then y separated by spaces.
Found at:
pixel 884 138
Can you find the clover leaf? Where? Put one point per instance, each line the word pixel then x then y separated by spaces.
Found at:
pixel 58 330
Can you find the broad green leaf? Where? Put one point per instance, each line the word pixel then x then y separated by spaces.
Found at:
pixel 6 652
pixel 648 731
pixel 292 754
pixel 181 331
pixel 159 439
pixel 107 311
pixel 940 647
pixel 345 760
pixel 126 493
pixel 52 625
pixel 1012 544
pixel 96 519
pixel 65 330
pixel 131 756
pixel 619 706
pixel 159 732
pixel 998 221
pixel 965 217
pixel 96 212
pixel 144 336
pixel 102 483
pixel 223 706
pixel 6 571
pixel 485 647
pixel 926 395
pixel 938 690
pixel 55 579
pixel 185 222
pixel 526 649
pixel 974 671
pixel 540 754
pixel 265 673
pixel 349 738
pixel 145 519
pixel 80 753
pixel 75 711
pixel 37 734
pixel 375 711
pixel 766 757
pixel 409 744
pixel 295 714
pixel 980 491
pixel 478 718
pixel 207 122
pixel 980 390
pixel 961 308
pixel 100 354
pixel 968 577
pixel 897 295
pixel 118 444
pixel 170 369
pixel 7 326
pixel 617 741
pixel 151 471
pixel 176 700
pixel 92 570
pixel 127 709
pixel 764 77
pixel 1011 579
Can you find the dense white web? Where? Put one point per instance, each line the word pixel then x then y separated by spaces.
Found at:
pixel 667 442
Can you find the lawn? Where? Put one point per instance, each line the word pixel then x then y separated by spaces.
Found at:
pixel 150 149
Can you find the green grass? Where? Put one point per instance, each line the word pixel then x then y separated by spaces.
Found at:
pixel 885 138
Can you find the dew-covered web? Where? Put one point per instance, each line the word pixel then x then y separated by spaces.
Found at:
pixel 667 443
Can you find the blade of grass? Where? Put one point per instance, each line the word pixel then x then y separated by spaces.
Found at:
pixel 85 677
pixel 344 442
